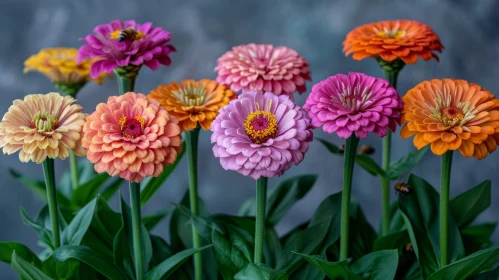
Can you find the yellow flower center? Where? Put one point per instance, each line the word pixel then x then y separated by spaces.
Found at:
pixel 448 114
pixel 137 35
pixel 131 128
pixel 44 122
pixel 394 33
pixel 260 126
pixel 192 95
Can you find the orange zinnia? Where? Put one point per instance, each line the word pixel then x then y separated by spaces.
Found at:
pixel 452 114
pixel 391 40
pixel 193 102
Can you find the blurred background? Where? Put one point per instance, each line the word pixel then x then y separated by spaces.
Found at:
pixel 201 32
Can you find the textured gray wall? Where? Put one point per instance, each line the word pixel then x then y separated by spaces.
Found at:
pixel 202 31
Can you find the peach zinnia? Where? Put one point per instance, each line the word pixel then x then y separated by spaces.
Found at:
pixel 192 102
pixel 41 126
pixel 452 115
pixel 390 40
pixel 131 136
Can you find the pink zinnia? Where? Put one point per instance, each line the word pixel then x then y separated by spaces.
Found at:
pixel 354 103
pixel 263 68
pixel 261 134
pixel 147 46
pixel 131 136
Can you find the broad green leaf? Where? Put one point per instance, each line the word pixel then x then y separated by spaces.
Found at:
pixel 394 240
pixel 86 192
pixel 123 256
pixel 150 221
pixel 468 205
pixel 468 266
pixel 7 248
pixel 153 185
pixel 478 237
pixel 112 188
pixel 26 270
pixel 272 246
pixel 281 198
pixel 168 266
pixel 260 272
pixel 334 270
pixel 160 250
pixel 489 275
pixel 76 230
pixel 362 234
pixel 93 259
pixel 405 164
pixel 363 161
pixel 66 270
pixel 146 240
pixel 379 265
pixel 41 231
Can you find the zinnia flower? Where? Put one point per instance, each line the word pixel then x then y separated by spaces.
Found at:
pixel 60 66
pixel 354 103
pixel 41 126
pixel 260 134
pixel 131 136
pixel 147 45
pixel 263 68
pixel 192 102
pixel 450 115
pixel 390 40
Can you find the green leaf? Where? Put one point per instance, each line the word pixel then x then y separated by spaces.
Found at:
pixel 334 270
pixel 281 198
pixel 380 265
pixel 41 231
pixel 66 270
pixel 26 270
pixel 153 185
pixel 468 266
pixel 362 234
pixel 86 192
pixel 363 161
pixel 478 237
pixel 123 256
pixel 93 259
pixel 468 205
pixel 405 164
pixel 146 240
pixel 489 275
pixel 74 233
pixel 7 248
pixel 112 188
pixel 150 221
pixel 260 272
pixel 420 210
pixel 394 240
pixel 168 266
pixel 35 185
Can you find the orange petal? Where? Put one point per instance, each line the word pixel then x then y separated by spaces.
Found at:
pixel 439 147
pixel 406 133
pixel 448 137
pixel 467 149
pixel 419 142
pixel 454 145
pixel 431 137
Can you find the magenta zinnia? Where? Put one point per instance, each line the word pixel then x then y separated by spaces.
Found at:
pixel 148 46
pixel 261 134
pixel 131 136
pixel 354 103
pixel 263 68
pixel 41 126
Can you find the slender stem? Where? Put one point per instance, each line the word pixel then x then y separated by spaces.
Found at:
pixel 444 206
pixel 136 229
pixel 49 173
pixel 261 201
pixel 73 164
pixel 125 84
pixel 350 151
pixel 192 148
pixel 391 77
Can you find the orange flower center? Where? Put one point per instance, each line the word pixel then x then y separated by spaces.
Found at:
pixel 260 126
pixel 126 34
pixel 192 94
pixel 44 122
pixel 131 128
pixel 448 114
pixel 394 33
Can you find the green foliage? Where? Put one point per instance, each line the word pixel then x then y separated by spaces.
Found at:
pixel 27 270
pixel 261 272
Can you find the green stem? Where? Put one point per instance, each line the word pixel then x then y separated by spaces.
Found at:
pixel 73 164
pixel 391 77
pixel 261 201
pixel 126 77
pixel 49 173
pixel 136 230
pixel 192 148
pixel 349 160
pixel 444 206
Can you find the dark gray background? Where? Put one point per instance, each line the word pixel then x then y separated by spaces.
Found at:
pixel 202 31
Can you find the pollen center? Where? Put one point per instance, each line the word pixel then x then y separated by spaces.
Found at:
pixel 448 114
pixel 44 122
pixel 131 128
pixel 192 95
pixel 394 33
pixel 260 126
